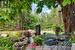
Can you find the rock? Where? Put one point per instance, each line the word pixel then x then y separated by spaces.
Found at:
pixel 51 42
pixel 15 40
pixel 4 35
pixel 18 44
pixel 22 38
pixel 18 48
pixel 24 42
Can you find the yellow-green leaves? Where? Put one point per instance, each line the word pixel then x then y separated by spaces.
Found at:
pixel 73 1
pixel 66 2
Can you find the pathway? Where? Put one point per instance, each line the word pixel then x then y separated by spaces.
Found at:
pixel 51 48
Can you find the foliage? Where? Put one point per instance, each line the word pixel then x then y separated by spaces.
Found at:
pixel 22 8
pixel 48 3
pixel 16 12
pixel 6 43
pixel 31 21
pixel 49 21
pixel 38 40
pixel 72 39
pixel 7 14
pixel 52 3
pixel 67 2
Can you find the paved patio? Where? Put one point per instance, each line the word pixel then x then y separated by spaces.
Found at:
pixel 52 48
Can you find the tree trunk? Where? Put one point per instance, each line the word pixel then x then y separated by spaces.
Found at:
pixel 68 13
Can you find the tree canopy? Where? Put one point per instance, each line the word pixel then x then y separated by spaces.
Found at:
pixel 52 3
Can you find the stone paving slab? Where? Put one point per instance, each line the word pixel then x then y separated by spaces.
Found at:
pixel 51 48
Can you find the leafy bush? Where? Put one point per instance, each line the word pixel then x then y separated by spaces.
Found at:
pixel 38 40
pixel 72 39
pixel 6 43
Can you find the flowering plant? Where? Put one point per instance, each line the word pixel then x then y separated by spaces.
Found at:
pixel 32 46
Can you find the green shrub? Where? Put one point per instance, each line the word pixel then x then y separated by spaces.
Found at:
pixel 38 40
pixel 6 43
pixel 72 39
